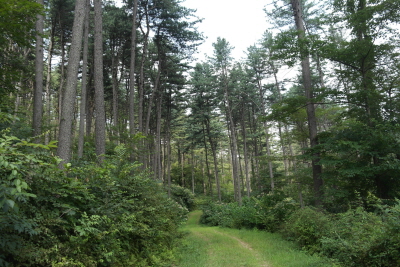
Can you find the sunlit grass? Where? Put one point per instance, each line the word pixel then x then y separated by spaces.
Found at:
pixel 218 247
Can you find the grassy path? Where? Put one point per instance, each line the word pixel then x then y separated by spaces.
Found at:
pixel 219 247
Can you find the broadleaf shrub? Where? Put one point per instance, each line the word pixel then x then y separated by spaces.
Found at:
pixel 354 238
pixel 92 215
pixel 268 212
pixel 307 227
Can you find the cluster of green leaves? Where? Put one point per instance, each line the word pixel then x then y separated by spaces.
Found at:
pixel 360 161
pixel 183 196
pixel 91 215
pixel 267 211
pixel 355 238
pixel 17 21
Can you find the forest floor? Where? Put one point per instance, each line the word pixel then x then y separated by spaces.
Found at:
pixel 218 247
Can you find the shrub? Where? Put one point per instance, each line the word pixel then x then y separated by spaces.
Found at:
pixel 183 196
pixel 355 238
pixel 273 210
pixel 108 215
pixel 263 212
pixel 361 238
pixel 307 227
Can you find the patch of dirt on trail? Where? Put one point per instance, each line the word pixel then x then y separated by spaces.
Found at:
pixel 246 246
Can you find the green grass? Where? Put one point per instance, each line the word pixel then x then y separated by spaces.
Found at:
pixel 218 247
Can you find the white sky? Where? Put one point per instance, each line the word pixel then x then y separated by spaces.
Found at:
pixel 241 22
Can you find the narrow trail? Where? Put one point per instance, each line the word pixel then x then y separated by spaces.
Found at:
pixel 222 249
pixel 206 246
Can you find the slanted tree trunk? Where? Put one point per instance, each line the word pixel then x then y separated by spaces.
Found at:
pixel 100 118
pixel 67 113
pixel 311 118
pixel 38 92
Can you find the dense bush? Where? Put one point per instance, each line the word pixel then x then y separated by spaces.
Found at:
pixel 267 211
pixel 230 215
pixel 183 196
pixel 307 227
pixel 108 215
pixel 355 238
pixel 273 210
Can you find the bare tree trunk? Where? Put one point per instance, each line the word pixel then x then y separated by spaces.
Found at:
pixel 151 100
pixel 192 159
pixel 168 163
pixel 100 126
pixel 62 78
pixel 234 152
pixel 38 92
pixel 311 118
pixel 65 132
pixel 157 153
pixel 214 153
pixel 207 164
pixel 48 83
pixel 278 89
pixel 115 87
pixel 132 73
pixel 82 117
pixel 266 129
pixel 142 63
pixel 246 159
pixel 270 167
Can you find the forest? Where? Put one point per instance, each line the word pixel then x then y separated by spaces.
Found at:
pixel 111 130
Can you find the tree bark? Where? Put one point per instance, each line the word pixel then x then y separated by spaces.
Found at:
pixel 245 156
pixel 311 118
pixel 213 146
pixel 132 72
pixel 65 132
pixel 82 117
pixel 48 83
pixel 100 120
pixel 38 92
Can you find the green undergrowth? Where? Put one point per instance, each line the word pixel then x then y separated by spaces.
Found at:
pixel 215 246
pixel 88 214
pixel 361 236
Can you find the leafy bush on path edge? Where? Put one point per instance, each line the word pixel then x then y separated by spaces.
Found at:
pixel 108 215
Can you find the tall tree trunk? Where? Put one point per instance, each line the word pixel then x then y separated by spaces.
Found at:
pixel 142 65
pixel 48 83
pixel 245 156
pixel 268 146
pixel 82 117
pixel 311 118
pixel 38 92
pixel 278 89
pixel 151 100
pixel 207 163
pixel 192 168
pixel 115 89
pixel 266 129
pixel 100 126
pixel 132 72
pixel 213 145
pixel 62 77
pixel 234 150
pixel 65 132
pixel 168 163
